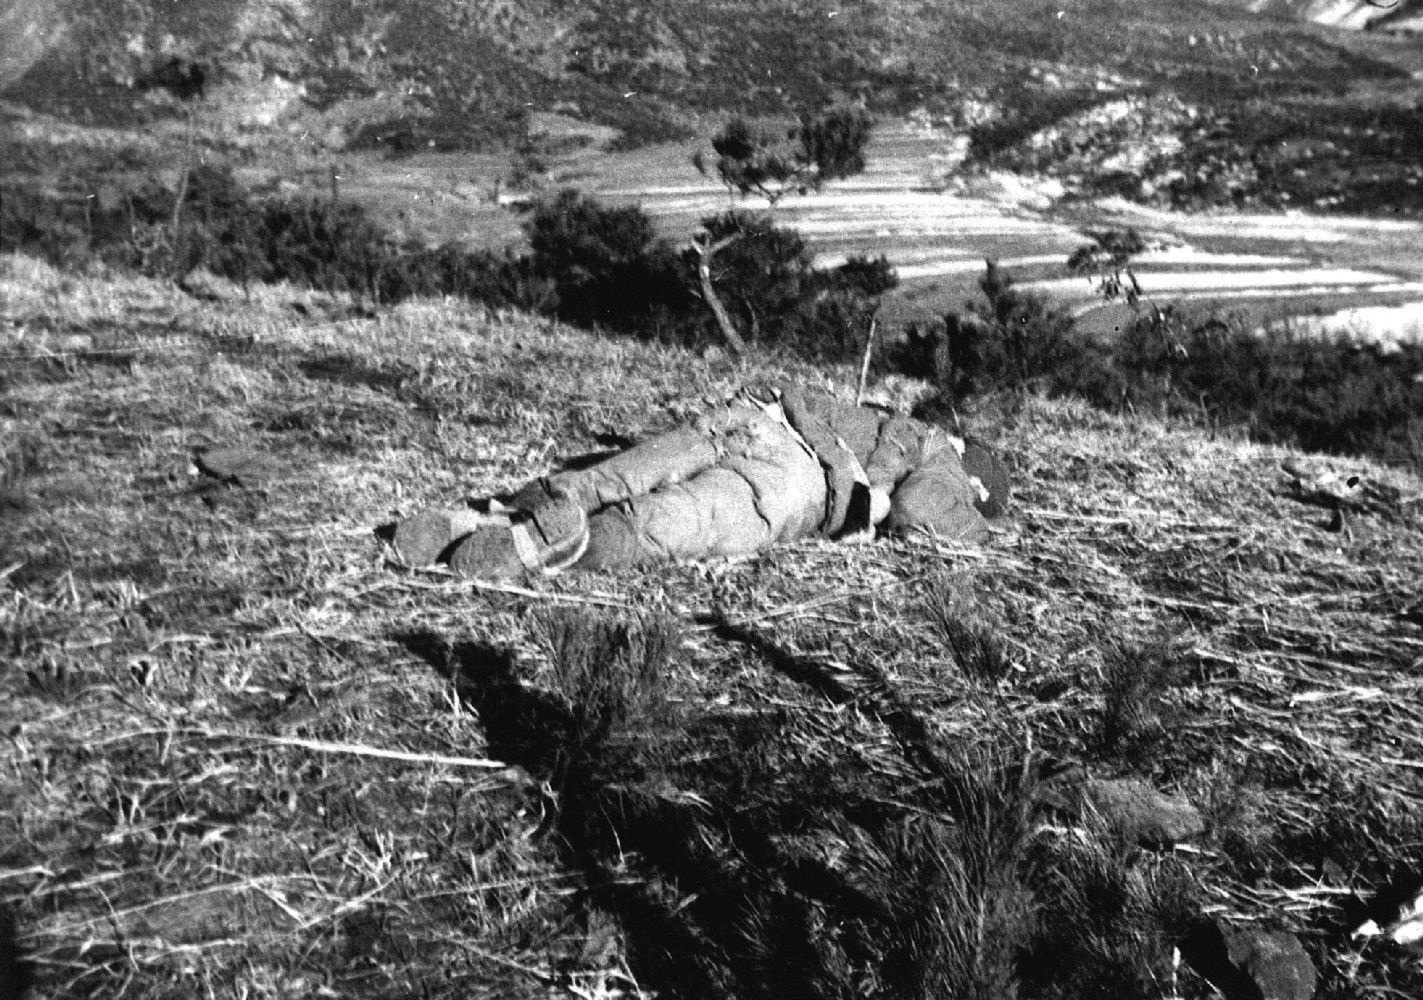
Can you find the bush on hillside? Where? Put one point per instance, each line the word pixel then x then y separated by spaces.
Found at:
pixel 1008 340
pixel 237 234
pixel 769 284
pixel 609 269
pixel 607 266
pixel 833 319
pixel 588 263
pixel 819 149
pixel 1311 392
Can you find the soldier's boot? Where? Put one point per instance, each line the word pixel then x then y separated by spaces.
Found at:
pixel 539 542
pixel 422 539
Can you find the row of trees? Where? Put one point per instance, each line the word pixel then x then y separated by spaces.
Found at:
pixel 741 279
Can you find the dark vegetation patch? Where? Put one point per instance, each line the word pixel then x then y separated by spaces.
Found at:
pixel 770 854
pixel 1311 392
pixel 213 222
pixel 588 263
pixel 1328 151
pixel 340 428
pixel 349 370
pixel 1137 676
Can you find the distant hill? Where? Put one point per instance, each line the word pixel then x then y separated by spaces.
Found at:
pixel 464 73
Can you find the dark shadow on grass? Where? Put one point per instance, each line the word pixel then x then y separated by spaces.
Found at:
pixel 880 696
pixel 346 369
pixel 15 971
pixel 710 837
pixel 750 853
pixel 796 668
pixel 522 725
pixel 577 463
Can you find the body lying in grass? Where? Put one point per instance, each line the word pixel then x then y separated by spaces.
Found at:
pixel 768 466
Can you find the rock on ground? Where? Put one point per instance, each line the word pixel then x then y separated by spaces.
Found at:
pixel 1248 963
pixel 240 466
pixel 1140 813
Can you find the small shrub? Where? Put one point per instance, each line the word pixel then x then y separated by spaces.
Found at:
pixel 963 913
pixel 978 914
pixel 1108 259
pixel 1010 340
pixel 830 326
pixel 835 142
pixel 974 641
pixel 1109 917
pixel 612 672
pixel 828 147
pixel 869 276
pixel 607 266
pixel 578 239
pixel 921 352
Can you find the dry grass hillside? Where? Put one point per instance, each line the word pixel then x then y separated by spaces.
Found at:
pixel 247 754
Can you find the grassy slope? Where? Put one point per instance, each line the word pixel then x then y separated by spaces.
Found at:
pixel 166 647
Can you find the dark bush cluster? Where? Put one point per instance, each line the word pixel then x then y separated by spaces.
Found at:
pixel 819 149
pixel 221 226
pixel 1312 392
pixel 587 263
pixel 767 279
pixel 1009 339
pixel 609 269
pixel 1317 393
pixel 1027 109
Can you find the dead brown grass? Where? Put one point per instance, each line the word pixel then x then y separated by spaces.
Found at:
pixel 248 754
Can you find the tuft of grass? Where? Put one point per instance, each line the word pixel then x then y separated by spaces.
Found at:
pixel 972 639
pixel 1109 918
pixel 966 913
pixel 1136 676
pixel 612 673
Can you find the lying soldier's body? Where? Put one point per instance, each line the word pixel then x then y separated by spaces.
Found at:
pixel 764 468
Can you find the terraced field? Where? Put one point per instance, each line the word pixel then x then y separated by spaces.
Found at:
pixel 939 233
